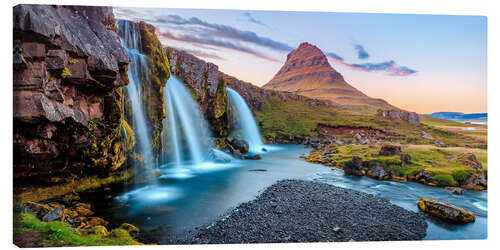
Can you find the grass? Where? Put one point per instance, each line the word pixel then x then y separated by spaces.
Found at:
pixel 444 165
pixel 296 118
pixel 58 233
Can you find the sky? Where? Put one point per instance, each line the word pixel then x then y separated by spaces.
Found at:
pixel 421 63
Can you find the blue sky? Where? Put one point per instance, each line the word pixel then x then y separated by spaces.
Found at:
pixel 422 63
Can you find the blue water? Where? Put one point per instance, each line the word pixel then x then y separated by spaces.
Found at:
pixel 182 204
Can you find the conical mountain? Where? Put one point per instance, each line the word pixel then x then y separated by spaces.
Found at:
pixel 307 72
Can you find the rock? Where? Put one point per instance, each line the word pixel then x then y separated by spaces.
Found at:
pixel 258 170
pixel 354 167
pixel 440 144
pixel 130 228
pixel 218 156
pixel 264 150
pixel 64 58
pixel 83 209
pixel 445 211
pixel 376 171
pixel 455 190
pixel 365 141
pixel 423 177
pixel 252 157
pixel 240 145
pixel 36 208
pixel 96 221
pixel 56 214
pixel 398 114
pixel 405 159
pixel 475 182
pixel 71 198
pixel 425 135
pixel 100 230
pixel 389 150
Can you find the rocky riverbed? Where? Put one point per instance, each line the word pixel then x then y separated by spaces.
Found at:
pixel 306 211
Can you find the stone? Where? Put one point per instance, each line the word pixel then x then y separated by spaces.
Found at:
pixel 440 144
pixel 455 190
pixel 56 214
pixel 240 145
pixel 425 135
pixel 405 159
pixel 376 171
pixel 130 228
pixel 445 211
pixel 353 167
pixel 389 150
pixel 100 230
pixel 252 157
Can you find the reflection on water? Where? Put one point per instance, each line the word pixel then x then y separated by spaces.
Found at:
pixel 211 191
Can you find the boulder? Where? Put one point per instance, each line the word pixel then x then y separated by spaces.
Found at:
pixel 218 156
pixel 423 176
pixel 440 144
pixel 389 150
pixel 445 211
pixel 405 159
pixel 425 135
pixel 455 190
pixel 252 157
pixel 56 214
pixel 376 171
pixel 240 145
pixel 353 167
pixel 130 228
pixel 99 230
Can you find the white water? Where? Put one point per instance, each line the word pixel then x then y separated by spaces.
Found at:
pixel 137 72
pixel 189 139
pixel 246 123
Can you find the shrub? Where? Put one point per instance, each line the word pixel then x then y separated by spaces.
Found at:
pixel 65 73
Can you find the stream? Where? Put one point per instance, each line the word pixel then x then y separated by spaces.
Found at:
pixel 184 202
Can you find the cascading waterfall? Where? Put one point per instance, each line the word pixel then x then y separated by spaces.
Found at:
pixel 246 122
pixel 188 138
pixel 137 72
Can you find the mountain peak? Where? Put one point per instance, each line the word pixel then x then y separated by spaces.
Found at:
pixel 307 72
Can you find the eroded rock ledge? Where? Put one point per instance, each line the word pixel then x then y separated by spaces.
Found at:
pixel 69 68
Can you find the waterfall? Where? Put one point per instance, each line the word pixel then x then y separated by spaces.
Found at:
pixel 137 72
pixel 187 133
pixel 246 123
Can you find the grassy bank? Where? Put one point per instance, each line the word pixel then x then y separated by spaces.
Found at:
pixel 29 231
pixel 280 118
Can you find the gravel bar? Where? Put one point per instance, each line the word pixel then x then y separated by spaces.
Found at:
pixel 306 211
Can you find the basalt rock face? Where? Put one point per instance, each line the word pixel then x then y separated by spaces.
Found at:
pixel 69 68
pixel 206 85
pixel 400 115
pixel 307 72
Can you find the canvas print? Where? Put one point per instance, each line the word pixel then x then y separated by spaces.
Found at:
pixel 189 126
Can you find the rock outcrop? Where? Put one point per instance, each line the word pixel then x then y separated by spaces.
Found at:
pixel 307 72
pixel 206 85
pixel 445 211
pixel 69 68
pixel 400 115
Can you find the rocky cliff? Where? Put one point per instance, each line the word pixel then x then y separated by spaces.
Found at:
pixel 69 68
pixel 153 81
pixel 206 85
pixel 307 72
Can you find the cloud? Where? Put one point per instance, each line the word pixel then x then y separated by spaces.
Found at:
pixel 252 19
pixel 226 31
pixel 200 53
pixel 362 54
pixel 215 42
pixel 390 67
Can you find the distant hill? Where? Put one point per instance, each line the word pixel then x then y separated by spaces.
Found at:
pixel 461 117
pixel 307 72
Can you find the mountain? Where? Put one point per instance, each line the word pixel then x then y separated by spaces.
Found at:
pixel 461 117
pixel 307 72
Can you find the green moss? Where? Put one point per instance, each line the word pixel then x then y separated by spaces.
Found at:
pixel 65 73
pixel 460 174
pixel 127 135
pixel 92 124
pixel 445 180
pixel 72 61
pixel 59 234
